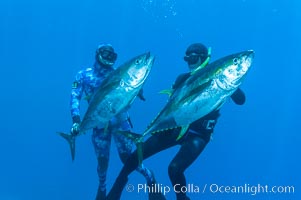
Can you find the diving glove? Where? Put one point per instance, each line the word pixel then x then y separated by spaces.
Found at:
pixel 75 129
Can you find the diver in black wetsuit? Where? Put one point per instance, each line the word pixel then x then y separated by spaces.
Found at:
pixel 192 143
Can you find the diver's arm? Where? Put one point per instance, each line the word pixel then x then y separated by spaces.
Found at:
pixel 76 94
pixel 239 97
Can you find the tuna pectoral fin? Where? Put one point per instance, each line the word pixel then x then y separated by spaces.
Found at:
pixel 183 131
pixel 138 140
pixel 71 140
pixel 168 92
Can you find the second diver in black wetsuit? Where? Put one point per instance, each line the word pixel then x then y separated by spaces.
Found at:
pixel 192 143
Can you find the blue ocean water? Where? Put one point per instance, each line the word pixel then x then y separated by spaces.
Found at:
pixel 44 43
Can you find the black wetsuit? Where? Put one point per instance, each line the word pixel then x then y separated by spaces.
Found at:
pixel 192 144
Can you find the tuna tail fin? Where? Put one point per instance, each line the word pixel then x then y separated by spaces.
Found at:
pixel 138 140
pixel 71 141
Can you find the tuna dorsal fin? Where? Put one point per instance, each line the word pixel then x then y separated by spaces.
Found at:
pixel 183 131
pixel 167 91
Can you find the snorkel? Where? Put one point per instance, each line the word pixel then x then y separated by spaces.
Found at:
pixel 204 63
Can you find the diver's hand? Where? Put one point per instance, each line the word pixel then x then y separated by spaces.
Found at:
pixel 75 129
pixel 238 97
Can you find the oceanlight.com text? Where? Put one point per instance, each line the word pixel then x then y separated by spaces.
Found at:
pixel 212 188
pixel 251 189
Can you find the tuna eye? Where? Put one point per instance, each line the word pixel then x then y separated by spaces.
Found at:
pixel 137 62
pixel 235 61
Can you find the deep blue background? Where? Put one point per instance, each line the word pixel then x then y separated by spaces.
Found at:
pixel 44 43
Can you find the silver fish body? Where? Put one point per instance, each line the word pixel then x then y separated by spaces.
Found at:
pixel 117 92
pixel 203 92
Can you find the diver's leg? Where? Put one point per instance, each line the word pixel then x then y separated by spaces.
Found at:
pixel 151 146
pixel 101 141
pixel 191 148
pixel 149 149
pixel 124 147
